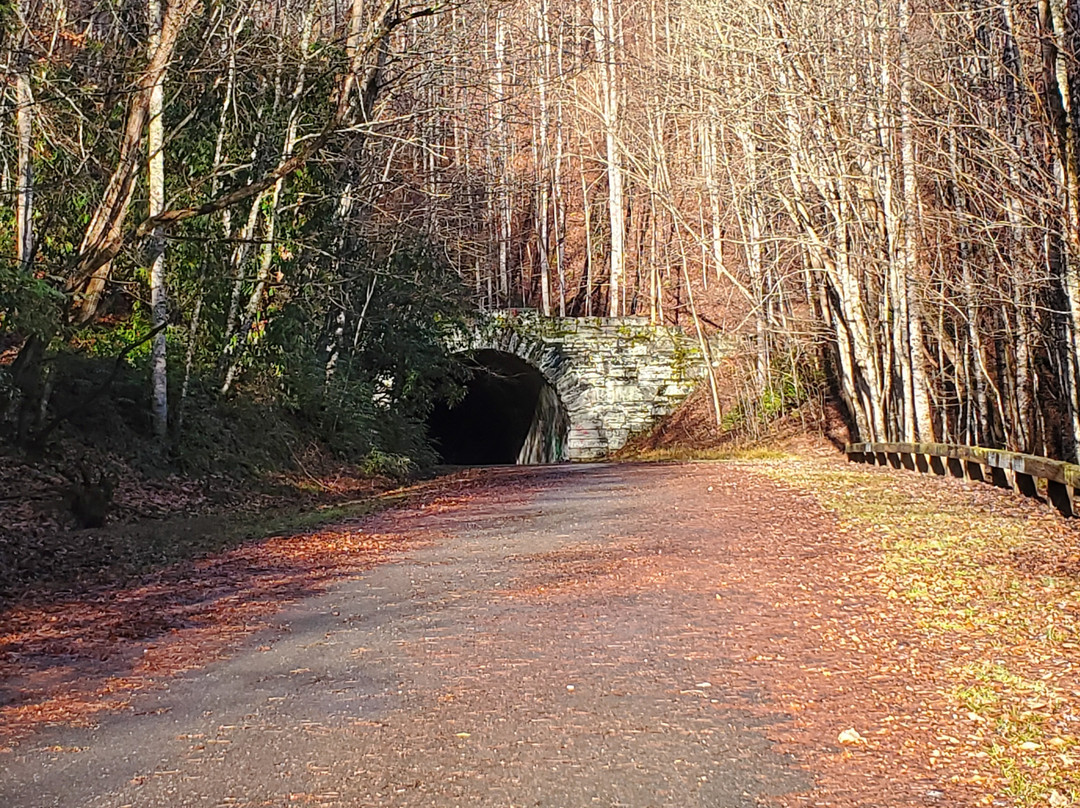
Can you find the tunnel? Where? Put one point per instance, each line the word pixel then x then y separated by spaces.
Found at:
pixel 509 414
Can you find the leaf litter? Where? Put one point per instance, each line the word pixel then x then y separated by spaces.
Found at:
pixel 934 620
pixel 69 654
pixel 970 604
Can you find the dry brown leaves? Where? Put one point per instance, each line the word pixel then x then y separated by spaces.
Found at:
pixel 908 629
pixel 66 656
pixel 63 659
pixel 40 542
pixel 963 648
pixel 921 634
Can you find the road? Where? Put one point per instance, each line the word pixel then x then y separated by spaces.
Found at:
pixel 564 639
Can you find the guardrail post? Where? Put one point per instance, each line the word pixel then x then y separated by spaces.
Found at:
pixel 1003 468
pixel 1060 497
pixel 1025 484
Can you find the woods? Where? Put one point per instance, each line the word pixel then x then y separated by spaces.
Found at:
pixel 297 200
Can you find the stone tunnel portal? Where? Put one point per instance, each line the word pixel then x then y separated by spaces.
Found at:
pixel 510 414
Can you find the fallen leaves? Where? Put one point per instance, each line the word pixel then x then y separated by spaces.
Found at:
pixel 64 659
pixel 851 737
pixel 66 656
pixel 154 520
pixel 985 584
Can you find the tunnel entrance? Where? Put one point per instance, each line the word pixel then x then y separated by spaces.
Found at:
pixel 510 414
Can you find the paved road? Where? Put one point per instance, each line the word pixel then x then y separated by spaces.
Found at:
pixel 558 644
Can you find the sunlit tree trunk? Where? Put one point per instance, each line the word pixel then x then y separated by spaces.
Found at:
pixel 543 159
pixel 853 333
pixel 922 419
pixel 155 142
pixel 104 235
pixel 501 155
pixel 604 32
pixel 24 133
pixel 750 217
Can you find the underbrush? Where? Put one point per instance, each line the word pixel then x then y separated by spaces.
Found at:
pixel 241 466
pixel 754 423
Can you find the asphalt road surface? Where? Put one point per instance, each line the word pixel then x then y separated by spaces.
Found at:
pixel 558 643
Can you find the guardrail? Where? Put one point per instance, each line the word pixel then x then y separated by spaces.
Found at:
pixel 1020 472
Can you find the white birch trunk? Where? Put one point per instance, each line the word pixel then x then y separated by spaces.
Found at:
pixel 921 418
pixel 543 160
pixel 588 242
pixel 503 212
pixel 559 209
pixel 155 143
pixel 713 184
pixel 852 327
pixel 751 222
pixel 604 31
pixel 24 133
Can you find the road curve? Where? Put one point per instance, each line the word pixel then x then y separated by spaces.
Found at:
pixel 559 642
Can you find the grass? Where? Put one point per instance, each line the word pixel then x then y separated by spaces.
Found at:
pixel 686 454
pixel 952 562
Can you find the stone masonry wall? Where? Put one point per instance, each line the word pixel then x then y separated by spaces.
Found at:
pixel 615 376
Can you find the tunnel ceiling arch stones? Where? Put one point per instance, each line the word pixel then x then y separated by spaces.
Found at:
pixel 615 376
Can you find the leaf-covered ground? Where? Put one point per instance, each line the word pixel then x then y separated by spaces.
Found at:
pixel 919 634
pixel 154 520
pixel 964 651
pixel 69 653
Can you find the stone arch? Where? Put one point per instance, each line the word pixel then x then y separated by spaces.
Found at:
pixel 550 358
pixel 614 377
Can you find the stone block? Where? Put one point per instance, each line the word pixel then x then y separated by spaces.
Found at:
pixel 614 376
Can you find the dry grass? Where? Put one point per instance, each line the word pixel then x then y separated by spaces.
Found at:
pixel 991 585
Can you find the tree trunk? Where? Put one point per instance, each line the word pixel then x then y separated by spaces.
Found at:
pixel 604 32
pixel 1059 102
pixel 104 235
pixel 922 417
pixel 543 161
pixel 266 255
pixel 24 133
pixel 156 186
pixel 503 212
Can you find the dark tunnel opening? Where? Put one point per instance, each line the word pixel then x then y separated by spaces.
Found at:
pixel 510 414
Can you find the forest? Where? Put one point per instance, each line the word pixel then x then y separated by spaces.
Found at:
pixel 294 202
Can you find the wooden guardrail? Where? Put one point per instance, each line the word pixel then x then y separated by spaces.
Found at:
pixel 1019 472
